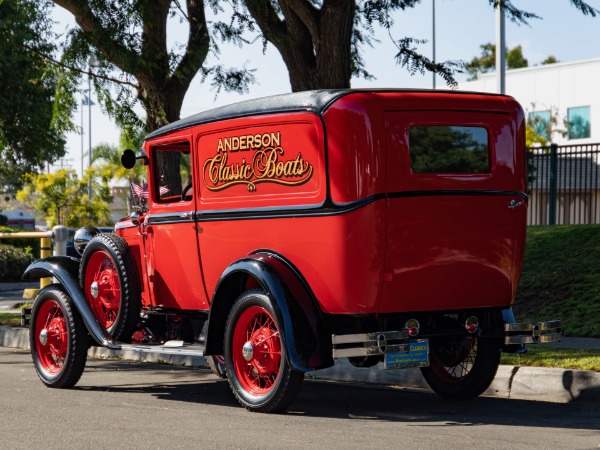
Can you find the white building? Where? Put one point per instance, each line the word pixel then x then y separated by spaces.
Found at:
pixel 570 89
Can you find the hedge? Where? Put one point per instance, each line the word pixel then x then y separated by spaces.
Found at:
pixel 13 261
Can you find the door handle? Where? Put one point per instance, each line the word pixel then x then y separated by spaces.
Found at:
pixel 514 204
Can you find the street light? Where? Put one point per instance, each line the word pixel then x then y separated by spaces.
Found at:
pixel 433 38
pixel 92 62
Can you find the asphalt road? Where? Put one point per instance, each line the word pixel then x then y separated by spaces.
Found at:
pixel 119 404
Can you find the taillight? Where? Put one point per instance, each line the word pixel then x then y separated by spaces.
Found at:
pixel 413 327
pixel 472 324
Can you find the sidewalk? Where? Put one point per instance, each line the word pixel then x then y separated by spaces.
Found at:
pixel 529 383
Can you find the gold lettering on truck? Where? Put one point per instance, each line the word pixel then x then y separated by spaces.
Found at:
pixel 268 163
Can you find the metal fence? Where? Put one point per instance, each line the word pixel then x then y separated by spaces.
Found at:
pixel 564 184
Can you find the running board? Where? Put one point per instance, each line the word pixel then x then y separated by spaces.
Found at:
pixel 168 348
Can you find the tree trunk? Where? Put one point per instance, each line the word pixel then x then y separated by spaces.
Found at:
pixel 315 44
pixel 160 87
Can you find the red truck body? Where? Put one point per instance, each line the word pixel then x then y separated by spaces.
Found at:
pixel 383 226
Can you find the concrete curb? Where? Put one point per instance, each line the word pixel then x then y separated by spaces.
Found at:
pixel 518 382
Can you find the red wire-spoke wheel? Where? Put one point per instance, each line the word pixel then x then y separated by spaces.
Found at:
pixel 256 350
pixel 109 278
pixel 58 338
pixel 104 292
pixel 462 368
pixel 257 368
pixel 52 342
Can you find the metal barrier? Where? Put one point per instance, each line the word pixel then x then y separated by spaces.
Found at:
pixel 564 184
pixel 59 234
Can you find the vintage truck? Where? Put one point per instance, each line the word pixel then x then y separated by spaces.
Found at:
pixel 277 235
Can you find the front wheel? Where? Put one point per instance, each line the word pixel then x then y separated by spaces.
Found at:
pixel 109 278
pixel 258 371
pixel 58 338
pixel 462 368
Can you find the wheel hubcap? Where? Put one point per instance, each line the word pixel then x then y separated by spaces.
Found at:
pixel 44 337
pixel 248 351
pixel 94 289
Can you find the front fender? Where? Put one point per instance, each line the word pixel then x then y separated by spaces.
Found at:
pixel 302 324
pixel 66 270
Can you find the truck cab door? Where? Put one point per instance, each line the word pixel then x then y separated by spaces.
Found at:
pixel 173 261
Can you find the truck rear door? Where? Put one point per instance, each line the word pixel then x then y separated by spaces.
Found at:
pixel 456 210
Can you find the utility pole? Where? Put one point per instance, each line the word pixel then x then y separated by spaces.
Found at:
pixel 433 39
pixel 500 50
pixel 89 133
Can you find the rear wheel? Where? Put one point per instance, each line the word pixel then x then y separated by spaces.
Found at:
pixel 58 338
pixel 462 368
pixel 258 371
pixel 108 276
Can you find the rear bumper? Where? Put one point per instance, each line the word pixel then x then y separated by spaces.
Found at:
pixel 532 333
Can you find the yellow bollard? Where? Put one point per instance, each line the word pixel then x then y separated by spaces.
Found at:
pixel 46 247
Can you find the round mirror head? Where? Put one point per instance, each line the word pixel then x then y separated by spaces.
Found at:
pixel 128 159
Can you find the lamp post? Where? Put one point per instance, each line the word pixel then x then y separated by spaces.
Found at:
pixel 433 38
pixel 92 62
pixel 82 103
pixel 500 50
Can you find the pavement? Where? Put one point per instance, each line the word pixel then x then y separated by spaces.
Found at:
pixel 520 382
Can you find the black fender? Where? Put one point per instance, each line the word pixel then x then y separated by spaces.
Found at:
pixel 302 324
pixel 66 270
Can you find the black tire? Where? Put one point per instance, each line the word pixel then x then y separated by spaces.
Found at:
pixel 462 368
pixel 58 338
pixel 266 382
pixel 121 316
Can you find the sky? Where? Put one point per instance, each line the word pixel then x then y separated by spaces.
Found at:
pixel 462 26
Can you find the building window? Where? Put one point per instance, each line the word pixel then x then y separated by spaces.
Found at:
pixel 578 122
pixel 448 149
pixel 540 122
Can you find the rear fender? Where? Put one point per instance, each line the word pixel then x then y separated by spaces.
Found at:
pixel 302 323
pixel 66 270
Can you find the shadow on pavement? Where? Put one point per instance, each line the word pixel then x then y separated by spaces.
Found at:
pixel 349 401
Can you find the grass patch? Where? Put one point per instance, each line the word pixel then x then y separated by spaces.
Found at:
pixel 10 319
pixel 565 358
pixel 561 278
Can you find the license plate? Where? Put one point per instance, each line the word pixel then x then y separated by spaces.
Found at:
pixel 417 356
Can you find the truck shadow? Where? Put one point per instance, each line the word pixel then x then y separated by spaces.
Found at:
pixel 351 401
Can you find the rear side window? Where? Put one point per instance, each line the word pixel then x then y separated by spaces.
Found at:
pixel 448 149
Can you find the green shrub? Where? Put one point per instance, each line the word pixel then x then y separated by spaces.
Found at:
pixel 13 261
pixel 33 244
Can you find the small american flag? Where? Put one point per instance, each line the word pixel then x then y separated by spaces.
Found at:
pixel 163 190
pixel 139 191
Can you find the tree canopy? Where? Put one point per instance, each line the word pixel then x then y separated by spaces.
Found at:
pixel 33 116
pixel 63 198
pixel 487 61
pixel 123 45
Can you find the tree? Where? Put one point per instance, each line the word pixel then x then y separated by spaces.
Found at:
pixel 550 60
pixel 487 61
pixel 63 198
pixel 321 42
pixel 129 37
pixel 107 163
pixel 33 117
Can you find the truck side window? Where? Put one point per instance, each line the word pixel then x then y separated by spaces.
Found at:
pixel 448 149
pixel 173 173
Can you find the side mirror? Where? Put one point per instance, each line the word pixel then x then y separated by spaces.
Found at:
pixel 128 159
